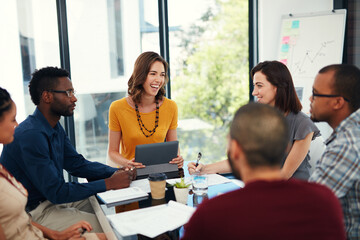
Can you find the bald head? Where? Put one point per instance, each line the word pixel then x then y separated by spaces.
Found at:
pixel 262 133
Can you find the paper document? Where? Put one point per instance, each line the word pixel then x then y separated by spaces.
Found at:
pixel 143 184
pixel 122 196
pixel 238 182
pixel 213 179
pixel 151 221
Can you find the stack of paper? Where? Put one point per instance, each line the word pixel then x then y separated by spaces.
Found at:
pixel 122 196
pixel 151 221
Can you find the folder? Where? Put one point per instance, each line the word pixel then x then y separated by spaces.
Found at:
pixel 122 196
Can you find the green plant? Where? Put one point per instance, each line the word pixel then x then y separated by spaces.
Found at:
pixel 181 184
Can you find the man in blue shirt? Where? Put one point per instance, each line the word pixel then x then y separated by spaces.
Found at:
pixel 41 151
pixel 336 100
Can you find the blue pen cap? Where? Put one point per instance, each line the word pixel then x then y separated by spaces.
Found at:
pixel 157 177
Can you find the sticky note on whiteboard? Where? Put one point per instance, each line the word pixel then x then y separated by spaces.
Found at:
pixel 284 61
pixel 287 24
pixel 285 40
pixel 295 24
pixel 285 47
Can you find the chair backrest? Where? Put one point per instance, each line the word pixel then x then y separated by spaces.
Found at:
pixel 317 148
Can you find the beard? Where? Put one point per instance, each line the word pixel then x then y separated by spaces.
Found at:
pixel 233 170
pixel 314 119
pixel 312 115
pixel 65 111
pixel 68 113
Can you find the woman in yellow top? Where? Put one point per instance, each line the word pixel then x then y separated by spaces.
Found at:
pixel 145 115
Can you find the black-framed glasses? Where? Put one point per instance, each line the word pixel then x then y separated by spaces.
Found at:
pixel 70 93
pixel 328 95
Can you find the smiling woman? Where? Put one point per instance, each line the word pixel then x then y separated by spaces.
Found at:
pixel 273 85
pixel 145 116
pixel 264 91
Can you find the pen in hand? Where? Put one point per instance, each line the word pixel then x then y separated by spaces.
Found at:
pixel 198 159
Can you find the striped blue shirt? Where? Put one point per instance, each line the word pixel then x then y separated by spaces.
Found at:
pixel 339 169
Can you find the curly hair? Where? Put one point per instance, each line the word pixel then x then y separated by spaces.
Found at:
pixel 139 75
pixel 5 101
pixel 44 79
pixel 279 76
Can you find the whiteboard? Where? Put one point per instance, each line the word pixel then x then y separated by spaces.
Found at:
pixel 309 42
pixel 269 21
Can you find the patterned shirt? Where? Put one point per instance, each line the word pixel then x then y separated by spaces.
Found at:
pixel 339 169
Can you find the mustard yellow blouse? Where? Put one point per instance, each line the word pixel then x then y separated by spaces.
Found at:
pixel 122 117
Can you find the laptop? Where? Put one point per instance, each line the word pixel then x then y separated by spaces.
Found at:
pixel 156 158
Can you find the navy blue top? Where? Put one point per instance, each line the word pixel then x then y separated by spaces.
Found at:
pixel 37 157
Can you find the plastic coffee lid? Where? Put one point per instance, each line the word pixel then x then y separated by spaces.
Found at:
pixel 157 177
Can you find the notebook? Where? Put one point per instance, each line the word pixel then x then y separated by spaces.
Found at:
pixel 156 157
pixel 122 196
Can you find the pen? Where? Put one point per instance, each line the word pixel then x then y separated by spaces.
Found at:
pixel 198 159
pixel 84 231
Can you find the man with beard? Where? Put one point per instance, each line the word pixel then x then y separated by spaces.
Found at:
pixel 268 207
pixel 336 100
pixel 41 151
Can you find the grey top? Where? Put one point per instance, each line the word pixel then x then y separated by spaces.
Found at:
pixel 300 125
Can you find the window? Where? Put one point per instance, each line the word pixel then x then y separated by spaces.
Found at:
pixel 105 38
pixel 115 38
pixel 209 81
pixel 209 71
pixel 30 42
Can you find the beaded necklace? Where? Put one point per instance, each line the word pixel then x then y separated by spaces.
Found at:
pixel 141 124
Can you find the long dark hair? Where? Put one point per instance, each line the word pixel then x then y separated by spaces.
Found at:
pixel 139 75
pixel 279 76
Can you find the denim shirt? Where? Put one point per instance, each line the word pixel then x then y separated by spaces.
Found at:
pixel 39 154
